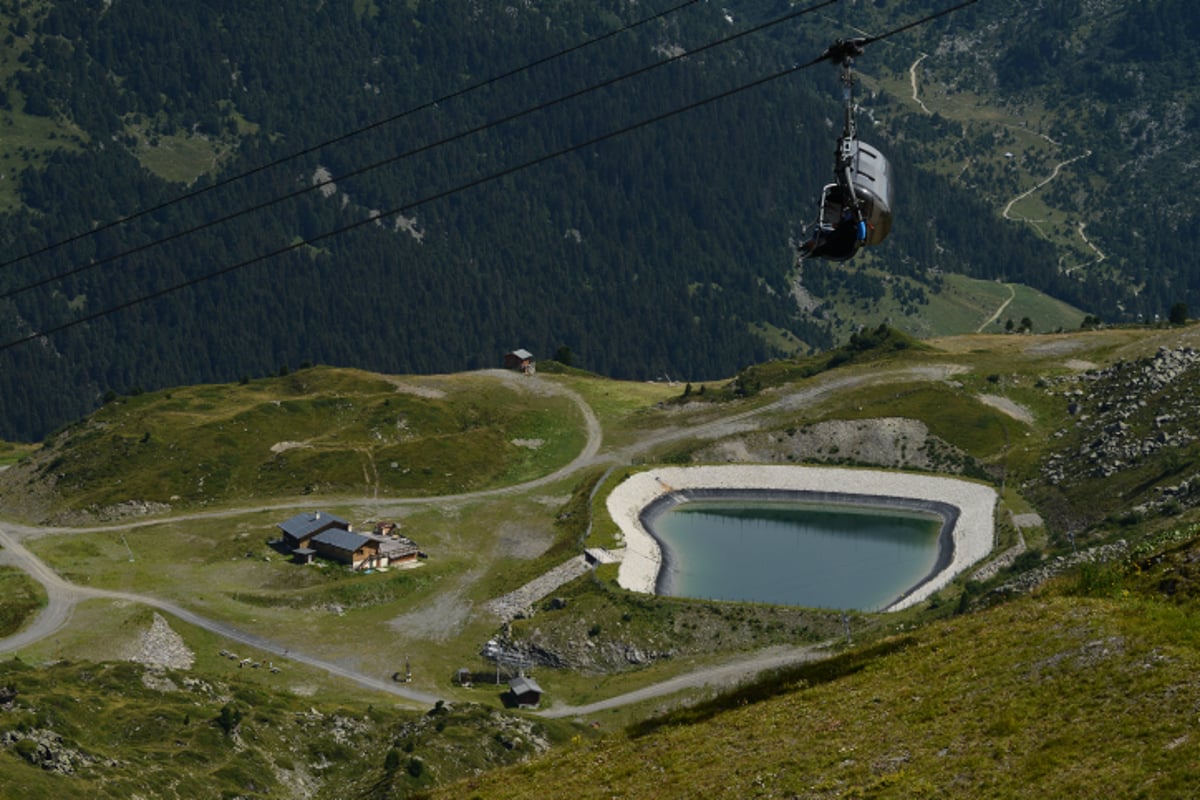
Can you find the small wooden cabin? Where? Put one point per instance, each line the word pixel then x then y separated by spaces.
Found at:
pixel 520 360
pixel 525 692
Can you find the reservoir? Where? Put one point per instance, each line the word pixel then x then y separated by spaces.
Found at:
pixel 804 549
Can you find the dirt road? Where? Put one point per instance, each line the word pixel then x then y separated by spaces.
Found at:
pixel 722 676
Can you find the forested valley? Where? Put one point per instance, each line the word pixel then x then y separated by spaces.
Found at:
pixel 442 239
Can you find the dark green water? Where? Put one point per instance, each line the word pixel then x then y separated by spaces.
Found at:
pixel 790 553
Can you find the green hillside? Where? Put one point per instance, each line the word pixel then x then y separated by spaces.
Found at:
pixel 1067 666
pixel 312 433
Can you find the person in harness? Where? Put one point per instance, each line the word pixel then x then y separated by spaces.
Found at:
pixel 838 242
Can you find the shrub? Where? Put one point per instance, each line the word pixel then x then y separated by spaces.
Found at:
pixel 1100 580
pixel 1026 561
pixel 27 749
pixel 229 718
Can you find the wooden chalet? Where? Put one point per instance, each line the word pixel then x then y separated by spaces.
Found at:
pixel 345 547
pixel 319 534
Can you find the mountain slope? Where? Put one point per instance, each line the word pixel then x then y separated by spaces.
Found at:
pixel 1038 145
pixel 662 251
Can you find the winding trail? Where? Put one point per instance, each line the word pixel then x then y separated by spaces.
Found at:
pixel 1057 169
pixel 1100 255
pixel 912 77
pixel 63 595
pixel 1012 293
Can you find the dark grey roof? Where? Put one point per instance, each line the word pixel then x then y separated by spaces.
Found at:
pixel 309 522
pixel 341 540
pixel 522 685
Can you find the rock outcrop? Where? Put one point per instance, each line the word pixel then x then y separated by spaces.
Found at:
pixel 1127 413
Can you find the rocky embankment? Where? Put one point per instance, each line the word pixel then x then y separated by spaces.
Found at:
pixel 1127 413
pixel 1030 579
pixel 893 442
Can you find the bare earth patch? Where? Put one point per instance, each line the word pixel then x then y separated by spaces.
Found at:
pixel 406 387
pixel 1014 410
pixel 1029 520
pixel 282 447
pixel 889 441
pixel 443 616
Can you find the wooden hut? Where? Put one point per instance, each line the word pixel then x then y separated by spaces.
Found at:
pixel 520 360
pixel 525 692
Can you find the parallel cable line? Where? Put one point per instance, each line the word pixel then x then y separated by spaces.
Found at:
pixel 317 185
pixel 462 187
pixel 348 135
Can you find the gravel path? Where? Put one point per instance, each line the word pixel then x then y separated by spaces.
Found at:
pixel 722 676
pixel 63 595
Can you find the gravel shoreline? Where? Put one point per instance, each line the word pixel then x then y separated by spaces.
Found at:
pixel 969 540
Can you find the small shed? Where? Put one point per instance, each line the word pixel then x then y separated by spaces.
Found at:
pixel 525 692
pixel 520 360
pixel 395 550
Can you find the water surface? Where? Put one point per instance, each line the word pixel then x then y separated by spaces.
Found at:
pixel 794 553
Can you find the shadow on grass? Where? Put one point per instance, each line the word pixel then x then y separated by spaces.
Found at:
pixel 775 683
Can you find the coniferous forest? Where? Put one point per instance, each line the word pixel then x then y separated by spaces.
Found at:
pixel 343 182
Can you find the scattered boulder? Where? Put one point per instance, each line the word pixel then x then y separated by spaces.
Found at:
pixel 1118 417
pixel 45 748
